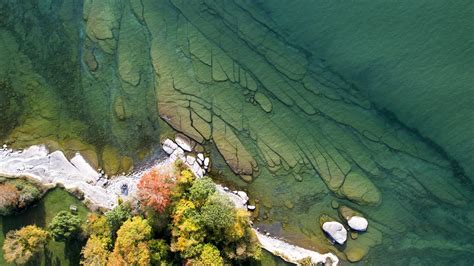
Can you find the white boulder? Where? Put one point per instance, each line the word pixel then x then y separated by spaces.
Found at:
pixel 243 195
pixel 169 146
pixel 184 142
pixel 358 223
pixel 190 159
pixel 201 156
pixel 337 231
pixel 206 162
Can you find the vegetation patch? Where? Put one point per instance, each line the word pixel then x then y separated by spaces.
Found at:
pixel 16 194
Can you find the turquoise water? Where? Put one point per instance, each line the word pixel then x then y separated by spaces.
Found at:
pixel 364 103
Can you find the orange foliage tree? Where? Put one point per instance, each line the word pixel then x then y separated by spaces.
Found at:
pixel 155 188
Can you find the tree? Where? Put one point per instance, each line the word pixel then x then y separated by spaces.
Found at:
pixel 131 246
pixel 210 255
pixel 65 226
pixel 201 189
pixel 159 251
pixel 96 225
pixel 218 214
pixel 95 252
pixel 21 245
pixel 154 189
pixel 117 216
pixel 9 198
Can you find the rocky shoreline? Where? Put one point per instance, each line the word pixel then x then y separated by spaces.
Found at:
pixel 78 177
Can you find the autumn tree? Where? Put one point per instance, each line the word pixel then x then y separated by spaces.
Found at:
pixel 95 252
pixel 22 245
pixel 154 189
pixel 210 255
pixel 65 226
pixel 96 225
pixel 131 245
pixel 9 198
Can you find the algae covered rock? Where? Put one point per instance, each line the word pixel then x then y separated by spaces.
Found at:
pixel 360 189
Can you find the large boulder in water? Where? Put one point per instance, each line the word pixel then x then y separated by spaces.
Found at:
pixel 354 219
pixel 336 230
pixel 358 223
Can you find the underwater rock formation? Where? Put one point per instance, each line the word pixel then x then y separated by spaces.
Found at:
pixel 226 76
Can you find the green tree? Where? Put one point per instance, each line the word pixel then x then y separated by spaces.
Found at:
pixel 117 216
pixel 131 246
pixel 218 214
pixel 201 190
pixel 159 251
pixel 65 226
pixel 21 245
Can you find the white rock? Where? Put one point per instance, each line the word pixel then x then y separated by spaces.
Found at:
pixel 206 162
pixel 243 195
pixel 169 146
pixel 190 159
pixel 199 161
pixel 5 146
pixel 293 253
pixel 358 223
pixel 336 230
pixel 184 142
pixel 201 156
pixel 177 154
pixel 251 207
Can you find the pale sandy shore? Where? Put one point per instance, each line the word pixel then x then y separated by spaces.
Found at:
pixel 52 169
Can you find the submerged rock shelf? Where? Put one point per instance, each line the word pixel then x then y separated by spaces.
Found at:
pixel 297 134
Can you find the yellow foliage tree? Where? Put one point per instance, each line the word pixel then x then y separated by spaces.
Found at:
pixel 131 245
pixel 21 245
pixel 95 252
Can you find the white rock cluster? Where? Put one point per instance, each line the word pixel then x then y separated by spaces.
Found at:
pixel 182 148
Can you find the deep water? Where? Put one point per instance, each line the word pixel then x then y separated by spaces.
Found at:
pixel 367 104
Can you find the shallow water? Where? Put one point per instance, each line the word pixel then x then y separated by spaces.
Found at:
pixel 297 101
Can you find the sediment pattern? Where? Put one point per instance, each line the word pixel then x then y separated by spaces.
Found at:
pixel 222 73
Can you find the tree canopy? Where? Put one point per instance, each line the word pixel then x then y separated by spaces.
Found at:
pixel 23 244
pixel 65 226
pixel 131 246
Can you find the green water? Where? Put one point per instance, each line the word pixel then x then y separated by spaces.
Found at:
pixel 367 103
pixel 56 253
